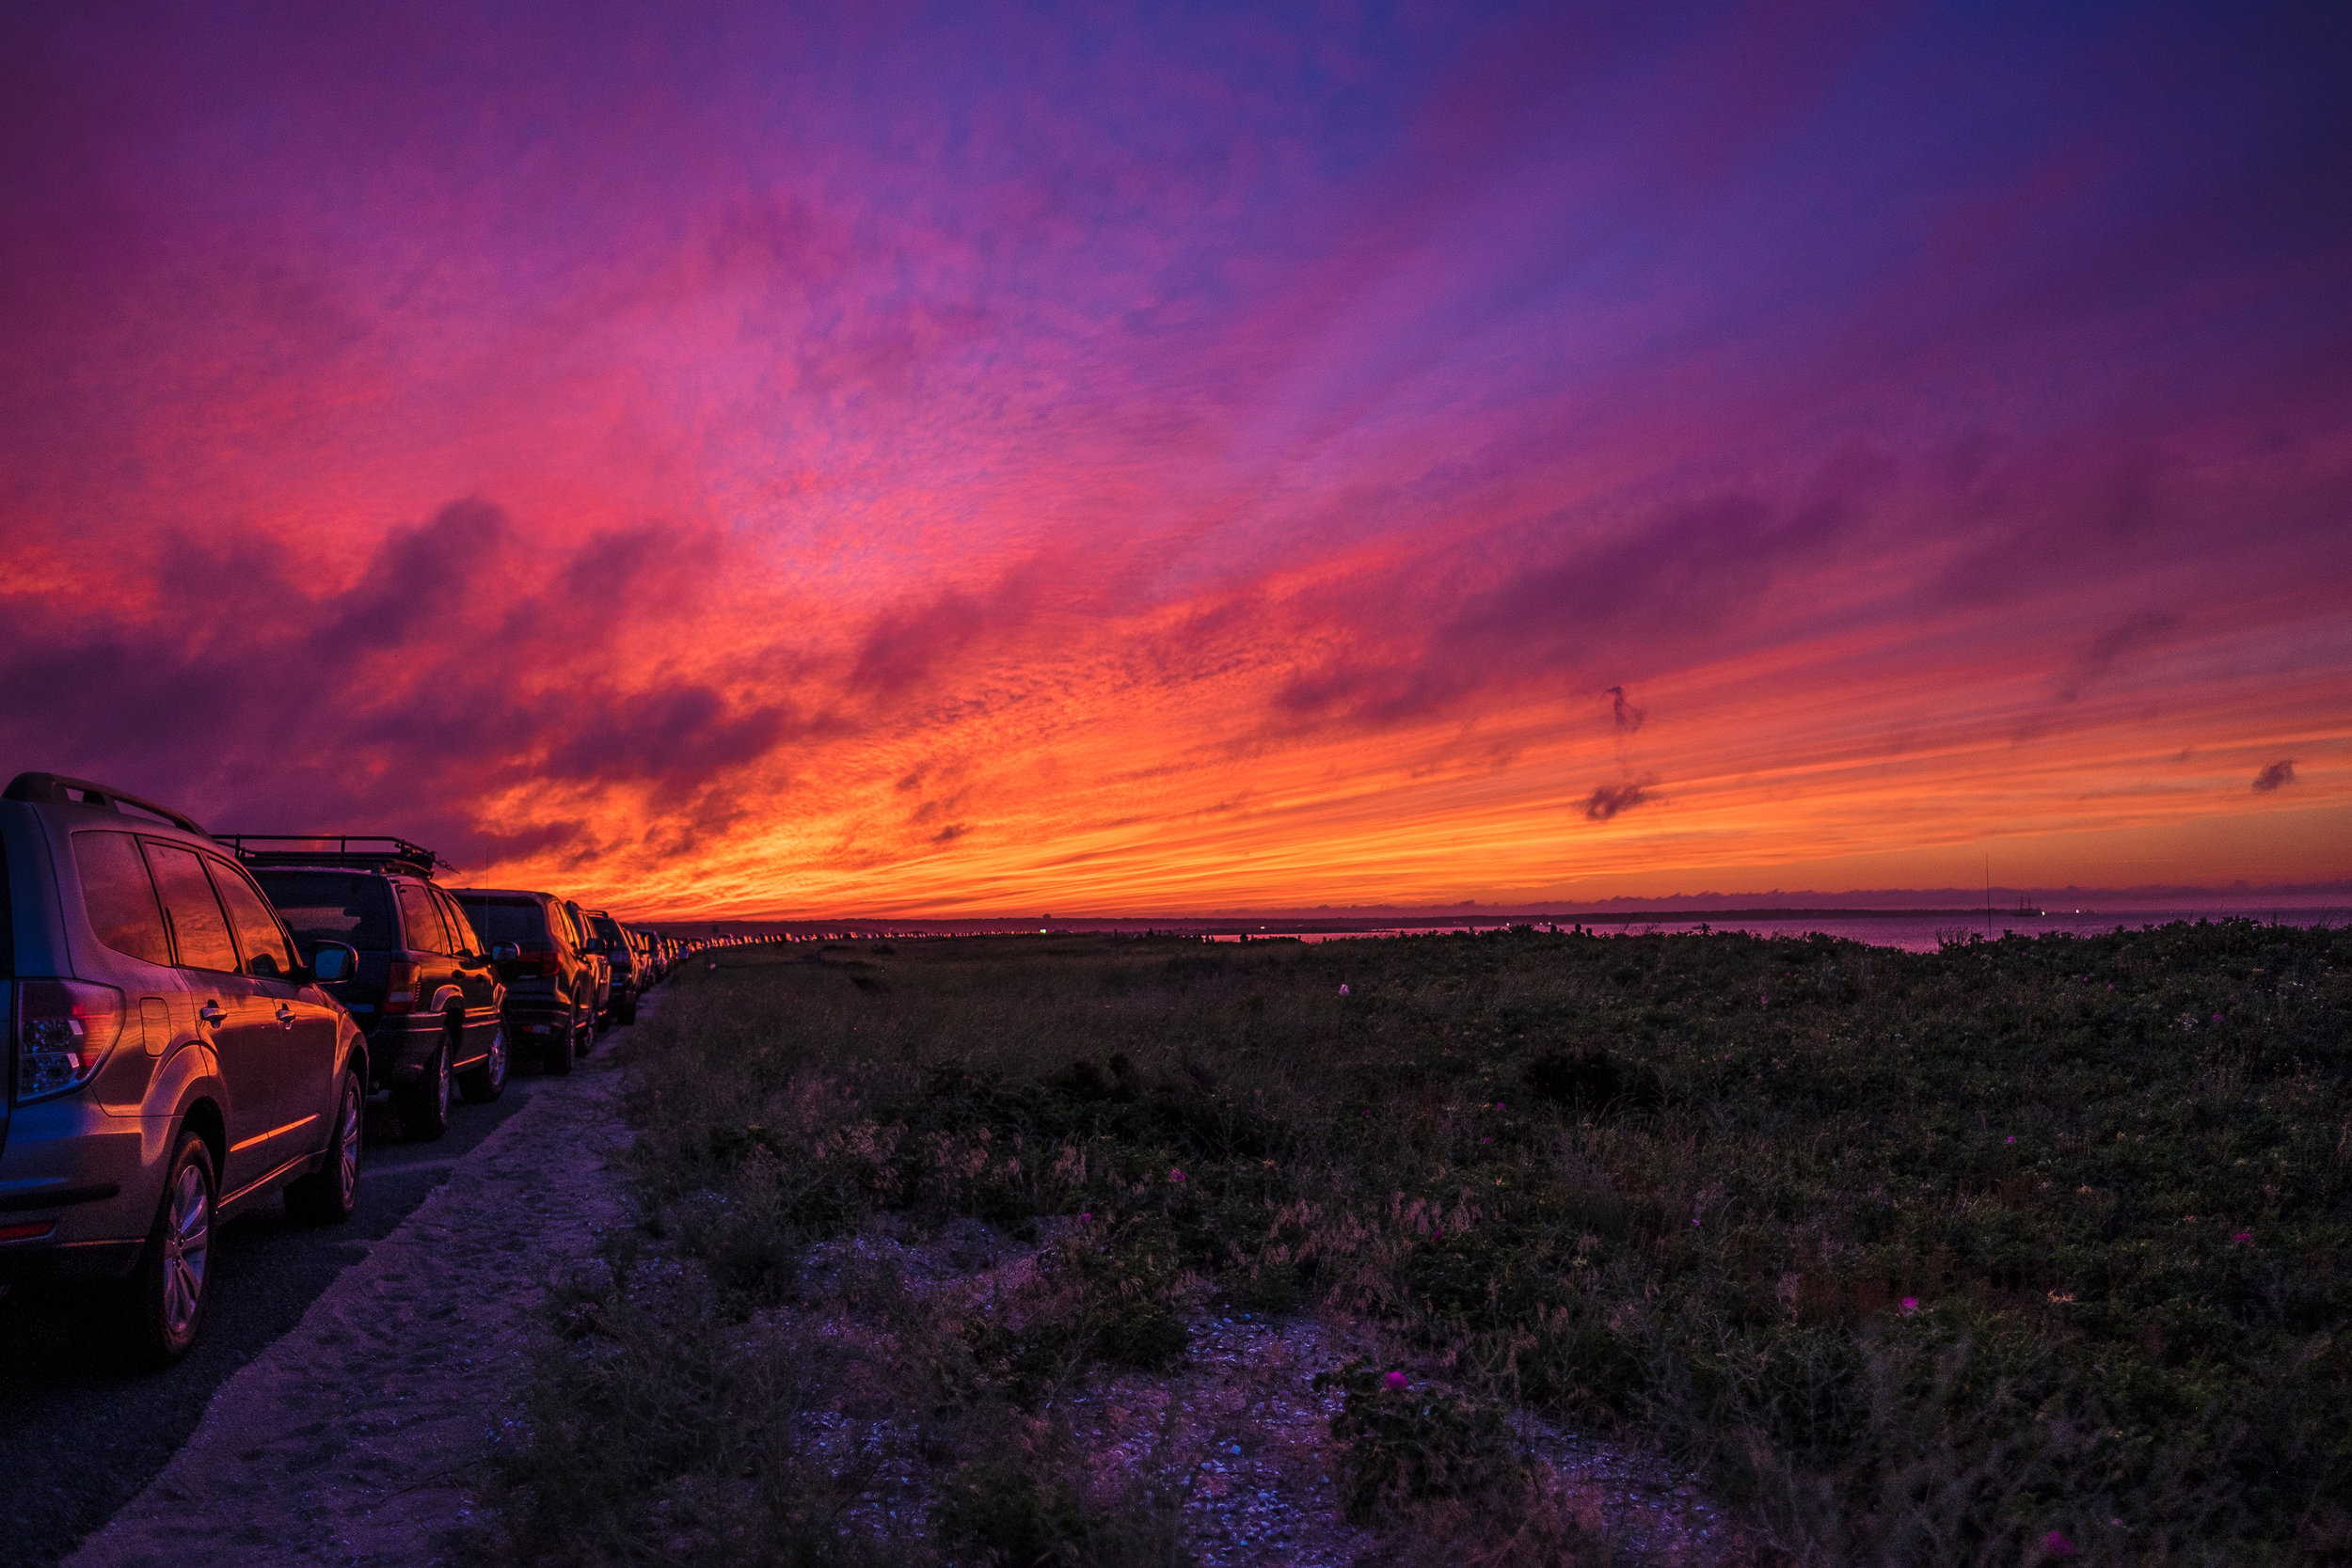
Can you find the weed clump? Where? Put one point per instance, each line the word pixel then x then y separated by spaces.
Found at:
pixel 1403 1446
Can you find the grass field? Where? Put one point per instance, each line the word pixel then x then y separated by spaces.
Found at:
pixel 2017 1252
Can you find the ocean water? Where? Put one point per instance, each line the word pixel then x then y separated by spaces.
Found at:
pixel 1914 933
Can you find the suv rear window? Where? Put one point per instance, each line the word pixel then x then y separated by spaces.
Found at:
pixel 118 897
pixel 333 906
pixel 522 922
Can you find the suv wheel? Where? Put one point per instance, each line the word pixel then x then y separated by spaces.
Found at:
pixel 328 1194
pixel 484 1083
pixel 163 1300
pixel 424 1105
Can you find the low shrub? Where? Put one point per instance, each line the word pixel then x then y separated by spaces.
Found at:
pixel 1402 1445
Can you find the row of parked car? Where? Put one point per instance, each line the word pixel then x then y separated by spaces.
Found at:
pixel 196 1022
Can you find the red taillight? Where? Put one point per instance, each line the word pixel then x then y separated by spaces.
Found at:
pixel 540 963
pixel 64 1029
pixel 26 1232
pixel 400 995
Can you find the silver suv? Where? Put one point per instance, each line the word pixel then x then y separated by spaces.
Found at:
pixel 171 1058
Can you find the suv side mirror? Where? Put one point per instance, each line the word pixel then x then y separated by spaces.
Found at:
pixel 505 952
pixel 330 962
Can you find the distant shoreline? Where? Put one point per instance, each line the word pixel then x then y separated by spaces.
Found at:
pixel 2026 922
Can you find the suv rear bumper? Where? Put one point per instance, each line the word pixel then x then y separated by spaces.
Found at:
pixel 399 1047
pixel 93 1179
pixel 537 1017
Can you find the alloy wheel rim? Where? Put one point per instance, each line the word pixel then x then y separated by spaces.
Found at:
pixel 187 1249
pixel 347 1155
pixel 498 1057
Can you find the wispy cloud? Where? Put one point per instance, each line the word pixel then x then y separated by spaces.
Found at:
pixel 767 461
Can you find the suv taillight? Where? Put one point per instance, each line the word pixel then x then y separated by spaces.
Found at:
pixel 544 965
pixel 400 995
pixel 64 1029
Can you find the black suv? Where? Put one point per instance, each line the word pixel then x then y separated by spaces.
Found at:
pixel 599 959
pixel 172 1055
pixel 426 994
pixel 629 978
pixel 552 981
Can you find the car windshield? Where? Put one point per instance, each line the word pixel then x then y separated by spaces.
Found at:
pixel 520 922
pixel 8 926
pixel 333 906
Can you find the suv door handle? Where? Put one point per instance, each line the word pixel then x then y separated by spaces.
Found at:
pixel 285 1015
pixel 211 1013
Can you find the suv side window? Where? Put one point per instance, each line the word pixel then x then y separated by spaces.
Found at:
pixel 418 913
pixel 460 928
pixel 264 945
pixel 119 896
pixel 199 930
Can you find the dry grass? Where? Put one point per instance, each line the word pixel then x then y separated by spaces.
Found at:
pixel 1894 1251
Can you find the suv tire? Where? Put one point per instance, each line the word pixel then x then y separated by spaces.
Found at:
pixel 328 1194
pixel 163 1302
pixel 484 1083
pixel 424 1105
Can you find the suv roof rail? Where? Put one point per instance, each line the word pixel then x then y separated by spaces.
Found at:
pixel 58 790
pixel 357 852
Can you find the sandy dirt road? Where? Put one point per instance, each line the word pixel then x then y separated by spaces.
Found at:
pixel 355 1438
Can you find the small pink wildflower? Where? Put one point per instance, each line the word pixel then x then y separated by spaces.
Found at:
pixel 1911 1305
pixel 2216 1017
pixel 1086 1219
pixel 2241 1237
pixel 1396 1380
pixel 1175 1175
pixel 2057 1545
pixel 2013 1138
pixel 1342 991
pixel 1486 1140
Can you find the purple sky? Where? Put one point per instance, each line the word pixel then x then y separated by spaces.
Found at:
pixel 996 457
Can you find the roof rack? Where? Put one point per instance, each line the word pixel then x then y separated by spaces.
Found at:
pixel 356 852
pixel 56 789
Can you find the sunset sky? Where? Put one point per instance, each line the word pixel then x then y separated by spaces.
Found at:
pixel 992 458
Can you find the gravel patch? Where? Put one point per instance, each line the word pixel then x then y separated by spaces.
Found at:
pixel 1239 1428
